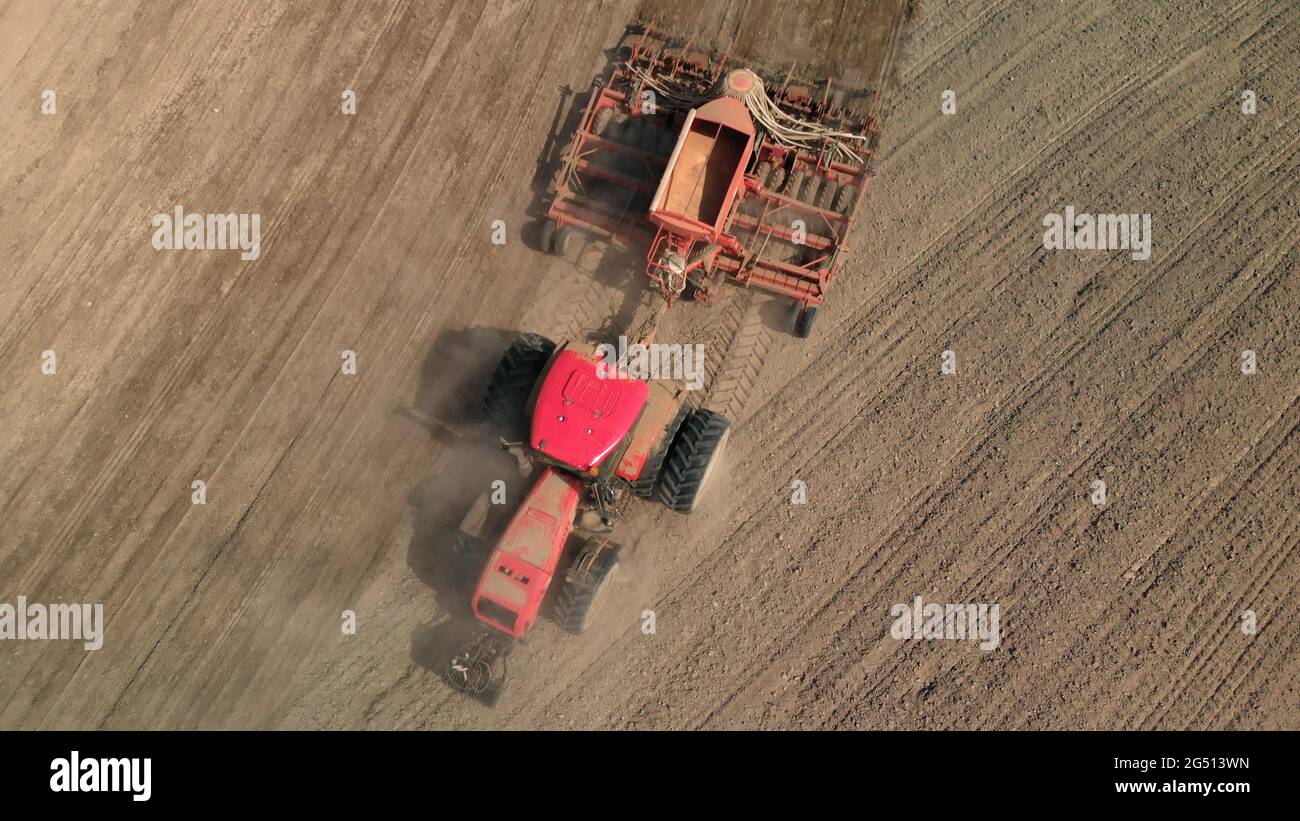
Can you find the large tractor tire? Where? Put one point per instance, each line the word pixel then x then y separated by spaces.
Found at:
pixel 692 459
pixel 554 239
pixel 644 485
pixel 512 384
pixel 586 585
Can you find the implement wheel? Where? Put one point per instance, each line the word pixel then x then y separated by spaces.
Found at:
pixel 555 239
pixel 560 240
pixel 804 322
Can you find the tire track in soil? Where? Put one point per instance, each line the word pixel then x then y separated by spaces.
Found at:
pixel 405 361
pixel 176 376
pixel 746 353
pixel 139 433
pixel 1017 538
pixel 831 443
pixel 950 238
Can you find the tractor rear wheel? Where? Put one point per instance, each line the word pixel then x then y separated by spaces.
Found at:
pixel 692 458
pixel 644 485
pixel 586 584
pixel 505 404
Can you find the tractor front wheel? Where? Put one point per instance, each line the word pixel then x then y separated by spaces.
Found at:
pixel 505 404
pixel 692 460
pixel 586 584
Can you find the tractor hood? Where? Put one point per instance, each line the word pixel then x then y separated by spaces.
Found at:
pixel 580 415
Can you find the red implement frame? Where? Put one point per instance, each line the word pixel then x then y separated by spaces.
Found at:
pixel 785 230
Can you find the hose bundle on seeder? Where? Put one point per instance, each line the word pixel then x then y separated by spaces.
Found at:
pixel 783 128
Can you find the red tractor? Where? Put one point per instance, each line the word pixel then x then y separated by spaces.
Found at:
pixel 597 438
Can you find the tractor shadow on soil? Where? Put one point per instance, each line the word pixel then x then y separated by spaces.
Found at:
pixel 453 379
pixel 433 645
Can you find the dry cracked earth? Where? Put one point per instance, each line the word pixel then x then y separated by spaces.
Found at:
pixel 328 491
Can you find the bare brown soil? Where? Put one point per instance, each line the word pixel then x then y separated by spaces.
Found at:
pixel 329 492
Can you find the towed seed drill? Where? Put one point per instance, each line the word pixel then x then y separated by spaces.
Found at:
pixel 718 170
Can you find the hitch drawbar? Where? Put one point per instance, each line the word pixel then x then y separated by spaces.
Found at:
pixel 479 668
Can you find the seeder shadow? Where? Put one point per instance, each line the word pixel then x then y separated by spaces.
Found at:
pixel 778 315
pixel 569 108
pixel 613 267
